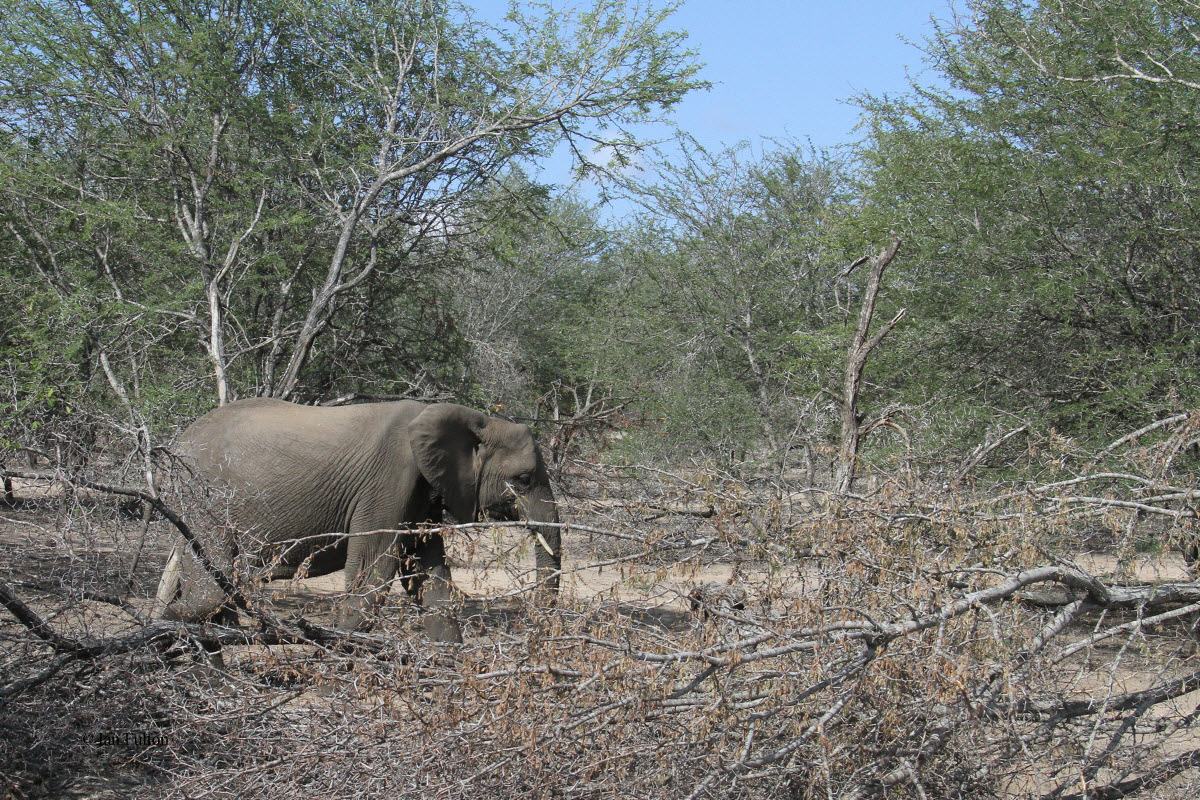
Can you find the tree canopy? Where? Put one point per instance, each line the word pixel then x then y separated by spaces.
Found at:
pixel 1047 195
pixel 216 200
pixel 274 192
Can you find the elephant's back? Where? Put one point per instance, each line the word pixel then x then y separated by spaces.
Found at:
pixel 261 427
pixel 297 467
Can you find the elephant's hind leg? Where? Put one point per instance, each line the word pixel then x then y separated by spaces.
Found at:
pixel 187 593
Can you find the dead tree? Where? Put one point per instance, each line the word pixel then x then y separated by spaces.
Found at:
pixel 856 359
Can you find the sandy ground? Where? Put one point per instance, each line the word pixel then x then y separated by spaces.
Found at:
pixel 489 566
pixel 495 567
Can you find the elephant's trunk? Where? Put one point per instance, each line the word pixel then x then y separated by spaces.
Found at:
pixel 540 508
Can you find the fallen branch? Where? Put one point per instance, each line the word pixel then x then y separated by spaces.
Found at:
pixel 1140 432
pixel 223 581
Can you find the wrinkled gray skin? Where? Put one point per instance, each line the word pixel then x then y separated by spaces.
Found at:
pixel 298 473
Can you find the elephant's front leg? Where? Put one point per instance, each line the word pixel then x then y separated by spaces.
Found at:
pixel 371 563
pixel 436 592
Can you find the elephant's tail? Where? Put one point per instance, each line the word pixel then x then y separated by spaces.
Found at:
pixel 170 584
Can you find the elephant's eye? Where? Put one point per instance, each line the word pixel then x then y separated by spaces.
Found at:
pixel 524 479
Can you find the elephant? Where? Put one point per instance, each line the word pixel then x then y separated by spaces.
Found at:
pixel 298 476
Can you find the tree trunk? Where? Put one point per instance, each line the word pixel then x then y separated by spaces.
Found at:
pixel 856 360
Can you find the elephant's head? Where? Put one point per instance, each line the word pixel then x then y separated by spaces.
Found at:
pixel 488 467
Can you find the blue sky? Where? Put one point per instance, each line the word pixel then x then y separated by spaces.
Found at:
pixel 784 68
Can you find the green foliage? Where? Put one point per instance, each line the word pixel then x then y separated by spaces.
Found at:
pixel 275 197
pixel 531 303
pixel 305 200
pixel 1047 200
pixel 725 298
pixel 1044 196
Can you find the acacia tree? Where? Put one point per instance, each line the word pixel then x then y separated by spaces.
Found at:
pixel 528 308
pixel 1046 193
pixel 730 296
pixel 254 175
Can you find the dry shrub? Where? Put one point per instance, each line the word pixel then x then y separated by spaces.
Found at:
pixel 914 643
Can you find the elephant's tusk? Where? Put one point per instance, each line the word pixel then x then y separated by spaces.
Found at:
pixel 542 539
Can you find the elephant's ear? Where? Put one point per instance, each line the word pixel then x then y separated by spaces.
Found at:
pixel 445 439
